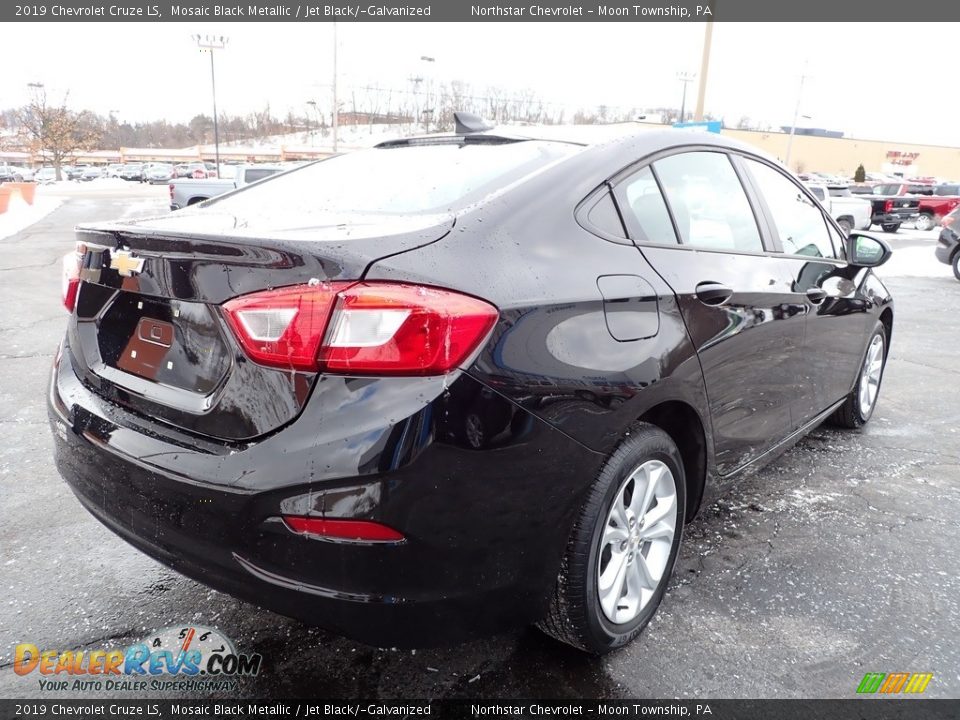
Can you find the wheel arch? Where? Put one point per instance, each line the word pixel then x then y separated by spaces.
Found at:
pixel 886 317
pixel 684 426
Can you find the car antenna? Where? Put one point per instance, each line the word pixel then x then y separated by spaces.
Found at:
pixel 466 123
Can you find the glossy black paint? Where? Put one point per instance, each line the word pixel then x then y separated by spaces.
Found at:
pixel 484 470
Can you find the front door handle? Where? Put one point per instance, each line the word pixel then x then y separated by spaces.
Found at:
pixel 712 293
pixel 816 295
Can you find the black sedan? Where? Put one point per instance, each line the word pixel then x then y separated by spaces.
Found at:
pixel 453 384
pixel 948 247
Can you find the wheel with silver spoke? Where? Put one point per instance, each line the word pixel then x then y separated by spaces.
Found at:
pixel 860 404
pixel 623 546
pixel 636 541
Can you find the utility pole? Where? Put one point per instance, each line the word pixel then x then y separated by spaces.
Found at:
pixel 686 78
pixel 704 69
pixel 336 107
pixel 796 115
pixel 211 43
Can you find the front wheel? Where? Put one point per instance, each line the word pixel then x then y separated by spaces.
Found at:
pixel 924 222
pixel 623 546
pixel 890 227
pixel 956 265
pixel 859 405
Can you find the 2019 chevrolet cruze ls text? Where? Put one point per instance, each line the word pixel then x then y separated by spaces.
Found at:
pixel 452 384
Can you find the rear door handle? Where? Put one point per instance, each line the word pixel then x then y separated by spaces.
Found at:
pixel 712 293
pixel 816 295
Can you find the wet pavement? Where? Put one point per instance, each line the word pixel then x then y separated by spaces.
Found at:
pixel 837 560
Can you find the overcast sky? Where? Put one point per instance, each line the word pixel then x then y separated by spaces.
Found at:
pixel 890 82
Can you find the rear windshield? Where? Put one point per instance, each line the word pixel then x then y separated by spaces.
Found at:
pixel 399 180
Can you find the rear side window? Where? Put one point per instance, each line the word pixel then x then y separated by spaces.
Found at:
pixel 818 192
pixel 418 179
pixel 254 174
pixel 800 224
pixel 708 202
pixel 645 211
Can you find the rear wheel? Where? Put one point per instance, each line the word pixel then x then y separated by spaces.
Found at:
pixel 858 408
pixel 845 225
pixel 623 546
pixel 924 222
pixel 956 265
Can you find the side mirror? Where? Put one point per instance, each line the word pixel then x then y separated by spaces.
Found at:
pixel 867 250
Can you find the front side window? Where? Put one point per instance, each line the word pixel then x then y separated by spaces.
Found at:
pixel 708 202
pixel 798 221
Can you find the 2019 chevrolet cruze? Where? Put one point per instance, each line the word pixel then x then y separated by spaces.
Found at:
pixel 452 384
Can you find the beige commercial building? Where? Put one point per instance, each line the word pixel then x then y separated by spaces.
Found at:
pixel 843 155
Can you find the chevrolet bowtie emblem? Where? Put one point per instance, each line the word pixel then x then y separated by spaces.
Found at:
pixel 125 263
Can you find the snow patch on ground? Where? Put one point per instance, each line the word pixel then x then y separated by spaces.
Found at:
pixel 20 215
pixel 914 262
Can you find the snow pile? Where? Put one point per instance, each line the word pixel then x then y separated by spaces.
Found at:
pixel 20 215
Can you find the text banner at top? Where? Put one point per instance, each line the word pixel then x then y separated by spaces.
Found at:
pixel 852 11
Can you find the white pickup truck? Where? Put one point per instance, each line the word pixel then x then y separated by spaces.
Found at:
pixel 189 192
pixel 850 211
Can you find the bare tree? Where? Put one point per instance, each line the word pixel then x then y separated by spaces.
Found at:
pixel 56 130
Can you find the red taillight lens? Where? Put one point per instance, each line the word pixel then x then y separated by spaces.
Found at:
pixel 283 327
pixel 70 278
pixel 399 329
pixel 888 206
pixel 357 530
pixel 370 328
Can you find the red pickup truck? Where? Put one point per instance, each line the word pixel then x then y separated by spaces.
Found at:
pixel 934 207
pixel 935 201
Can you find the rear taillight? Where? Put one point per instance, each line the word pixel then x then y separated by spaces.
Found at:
pixel 70 279
pixel 369 328
pixel 356 530
pixel 888 206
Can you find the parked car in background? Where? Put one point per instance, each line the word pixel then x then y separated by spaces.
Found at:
pixel 182 170
pixel 932 208
pixel 113 170
pixel 890 208
pixel 159 173
pixel 851 213
pixel 91 173
pixel 45 176
pixel 191 192
pixel 366 422
pixel 9 173
pixel 948 245
pixel 132 171
pixel 72 172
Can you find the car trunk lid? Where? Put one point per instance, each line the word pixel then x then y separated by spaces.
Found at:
pixel 149 334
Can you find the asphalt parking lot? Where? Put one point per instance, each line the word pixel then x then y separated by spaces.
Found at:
pixel 837 560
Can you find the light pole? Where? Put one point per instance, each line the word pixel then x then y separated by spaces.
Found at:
pixel 686 78
pixel 211 43
pixel 427 111
pixel 796 114
pixel 336 108
pixel 704 69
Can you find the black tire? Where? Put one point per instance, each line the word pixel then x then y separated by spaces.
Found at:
pixel 845 225
pixel 890 227
pixel 851 414
pixel 956 265
pixel 575 615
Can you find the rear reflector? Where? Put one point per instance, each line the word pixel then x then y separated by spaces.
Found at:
pixel 367 328
pixel 70 277
pixel 357 530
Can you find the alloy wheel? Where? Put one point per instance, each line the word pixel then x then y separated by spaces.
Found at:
pixel 870 375
pixel 636 541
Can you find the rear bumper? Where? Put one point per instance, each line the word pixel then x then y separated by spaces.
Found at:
pixel 485 527
pixel 945 252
